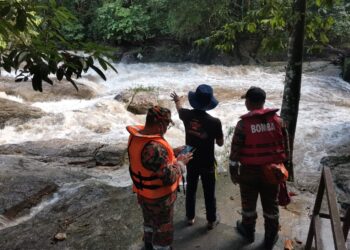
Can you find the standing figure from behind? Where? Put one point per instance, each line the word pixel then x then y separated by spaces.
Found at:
pixel 202 132
pixel 260 138
pixel 156 173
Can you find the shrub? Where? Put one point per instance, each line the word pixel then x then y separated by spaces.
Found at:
pixel 115 23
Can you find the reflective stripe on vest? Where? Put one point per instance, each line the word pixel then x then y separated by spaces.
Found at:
pixel 145 182
pixel 263 138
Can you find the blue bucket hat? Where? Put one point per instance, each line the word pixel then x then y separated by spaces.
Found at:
pixel 203 98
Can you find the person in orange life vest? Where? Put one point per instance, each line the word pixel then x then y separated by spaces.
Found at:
pixel 203 131
pixel 156 173
pixel 260 138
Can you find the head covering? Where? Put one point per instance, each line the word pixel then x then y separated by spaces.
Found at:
pixel 203 98
pixel 160 114
pixel 255 95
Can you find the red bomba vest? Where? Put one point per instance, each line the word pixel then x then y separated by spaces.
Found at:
pixel 263 138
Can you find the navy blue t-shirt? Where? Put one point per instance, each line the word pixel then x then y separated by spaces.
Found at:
pixel 202 130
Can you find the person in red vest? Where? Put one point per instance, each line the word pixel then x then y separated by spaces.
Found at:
pixel 260 138
pixel 156 174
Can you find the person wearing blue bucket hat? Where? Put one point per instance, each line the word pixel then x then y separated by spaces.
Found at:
pixel 203 131
pixel 203 98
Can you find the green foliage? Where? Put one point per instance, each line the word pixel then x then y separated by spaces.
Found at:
pixel 141 88
pixel 224 21
pixel 157 10
pixel 340 31
pixel 266 18
pixel 35 47
pixel 269 21
pixel 85 12
pixel 190 20
pixel 73 31
pixel 117 23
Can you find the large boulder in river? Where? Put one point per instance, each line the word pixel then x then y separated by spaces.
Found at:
pixel 15 112
pixel 58 91
pixel 139 101
pixel 125 96
pixel 142 101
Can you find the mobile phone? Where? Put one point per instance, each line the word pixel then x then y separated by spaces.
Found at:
pixel 186 150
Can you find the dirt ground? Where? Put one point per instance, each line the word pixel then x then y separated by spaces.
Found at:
pixel 294 220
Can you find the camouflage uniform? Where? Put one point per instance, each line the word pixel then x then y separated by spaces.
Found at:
pixel 158 213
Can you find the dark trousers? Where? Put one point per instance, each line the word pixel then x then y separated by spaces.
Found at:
pixel 251 185
pixel 208 183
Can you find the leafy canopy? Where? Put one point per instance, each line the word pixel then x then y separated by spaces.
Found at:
pixel 33 45
pixel 272 21
pixel 118 23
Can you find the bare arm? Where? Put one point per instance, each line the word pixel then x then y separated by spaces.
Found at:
pixel 177 100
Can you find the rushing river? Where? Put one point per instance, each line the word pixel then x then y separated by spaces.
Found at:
pixel 323 121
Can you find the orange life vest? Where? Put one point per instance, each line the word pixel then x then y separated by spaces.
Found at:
pixel 145 182
pixel 263 138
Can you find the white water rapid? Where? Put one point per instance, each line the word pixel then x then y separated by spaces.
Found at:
pixel 323 121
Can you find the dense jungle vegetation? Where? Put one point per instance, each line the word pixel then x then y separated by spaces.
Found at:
pixel 41 34
pixel 223 23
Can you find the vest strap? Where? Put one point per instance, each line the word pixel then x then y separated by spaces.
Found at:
pixel 262 154
pixel 264 145
pixel 139 183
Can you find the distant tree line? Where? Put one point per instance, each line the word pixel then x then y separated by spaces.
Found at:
pixel 222 23
pixel 40 37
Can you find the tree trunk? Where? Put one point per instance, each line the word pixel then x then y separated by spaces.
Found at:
pixel 291 94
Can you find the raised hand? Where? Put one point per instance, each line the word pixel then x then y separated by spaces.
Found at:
pixel 174 97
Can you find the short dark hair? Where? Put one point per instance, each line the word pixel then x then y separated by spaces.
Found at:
pixel 158 114
pixel 255 95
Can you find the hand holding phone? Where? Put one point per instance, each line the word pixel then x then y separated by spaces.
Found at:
pixel 186 149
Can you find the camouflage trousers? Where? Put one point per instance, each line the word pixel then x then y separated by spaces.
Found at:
pixel 158 221
pixel 252 185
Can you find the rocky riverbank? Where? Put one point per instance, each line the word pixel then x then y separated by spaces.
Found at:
pixel 76 194
pixel 85 211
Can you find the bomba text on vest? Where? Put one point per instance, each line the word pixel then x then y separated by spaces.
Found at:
pixel 262 127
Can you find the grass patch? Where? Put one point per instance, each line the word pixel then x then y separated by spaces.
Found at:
pixel 141 88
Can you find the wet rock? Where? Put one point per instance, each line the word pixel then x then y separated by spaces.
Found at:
pixel 60 236
pixel 142 101
pixel 124 96
pixel 93 216
pixel 84 213
pixel 15 113
pixel 29 202
pixel 340 168
pixel 57 91
pixel 129 57
pixel 23 176
pixel 139 101
pixel 55 147
pixel 111 155
pixel 66 152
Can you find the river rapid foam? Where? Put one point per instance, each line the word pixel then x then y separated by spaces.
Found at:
pixel 323 121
